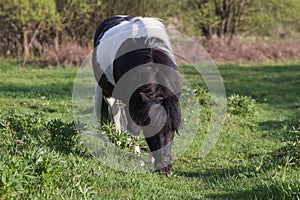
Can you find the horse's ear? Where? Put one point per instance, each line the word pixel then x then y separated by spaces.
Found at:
pixel 144 97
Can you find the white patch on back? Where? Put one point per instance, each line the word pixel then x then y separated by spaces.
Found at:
pixel 135 30
pixel 137 27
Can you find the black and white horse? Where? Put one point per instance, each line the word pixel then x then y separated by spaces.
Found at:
pixel 140 47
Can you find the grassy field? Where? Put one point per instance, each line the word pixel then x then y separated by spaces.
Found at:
pixel 256 157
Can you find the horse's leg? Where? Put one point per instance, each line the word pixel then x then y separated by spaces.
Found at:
pixel 105 117
pixel 115 112
pixel 98 102
pixel 151 159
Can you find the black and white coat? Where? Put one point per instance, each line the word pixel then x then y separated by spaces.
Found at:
pixel 123 43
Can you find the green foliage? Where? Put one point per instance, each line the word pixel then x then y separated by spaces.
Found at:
pixel 28 14
pixel 294 137
pixel 64 137
pixel 28 129
pixel 202 95
pixel 80 19
pixel 241 105
pixel 291 150
pixel 53 23
pixel 272 18
pixel 198 17
pixel 237 104
pixel 31 152
pixel 227 17
pixel 205 101
pixel 122 139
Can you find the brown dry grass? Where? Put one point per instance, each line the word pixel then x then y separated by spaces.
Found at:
pixel 238 49
pixel 68 54
pixel 258 50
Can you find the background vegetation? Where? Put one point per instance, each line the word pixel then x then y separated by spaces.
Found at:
pixel 61 32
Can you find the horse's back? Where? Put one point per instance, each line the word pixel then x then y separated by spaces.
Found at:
pixel 116 31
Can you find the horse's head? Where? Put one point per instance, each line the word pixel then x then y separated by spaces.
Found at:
pixel 156 109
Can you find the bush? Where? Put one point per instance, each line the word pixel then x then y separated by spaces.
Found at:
pixel 64 137
pixel 236 104
pixel 241 105
pixel 25 131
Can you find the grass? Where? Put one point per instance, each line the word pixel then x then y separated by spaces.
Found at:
pixel 256 157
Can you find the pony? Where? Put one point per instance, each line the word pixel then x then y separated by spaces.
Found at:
pixel 138 46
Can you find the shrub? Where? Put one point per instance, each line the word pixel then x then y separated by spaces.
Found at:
pixel 241 105
pixel 64 137
pixel 28 130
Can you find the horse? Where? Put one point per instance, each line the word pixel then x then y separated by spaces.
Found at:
pixel 138 46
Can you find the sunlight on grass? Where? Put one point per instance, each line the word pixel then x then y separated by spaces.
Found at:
pixel 256 156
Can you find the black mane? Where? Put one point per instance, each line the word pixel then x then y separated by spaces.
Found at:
pixel 106 25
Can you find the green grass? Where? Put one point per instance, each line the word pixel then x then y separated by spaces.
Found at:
pixel 256 157
pixel 33 89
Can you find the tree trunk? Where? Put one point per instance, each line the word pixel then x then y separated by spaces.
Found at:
pixel 26 46
pixel 221 29
pixel 238 15
pixel 56 41
pixel 206 30
pixel 57 46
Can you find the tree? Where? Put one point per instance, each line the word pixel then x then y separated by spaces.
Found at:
pixel 215 17
pixel 79 18
pixel 272 17
pixel 198 17
pixel 227 18
pixel 230 14
pixel 25 18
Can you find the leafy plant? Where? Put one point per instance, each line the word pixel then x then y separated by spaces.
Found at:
pixel 28 130
pixel 292 147
pixel 122 139
pixel 202 95
pixel 241 105
pixel 64 137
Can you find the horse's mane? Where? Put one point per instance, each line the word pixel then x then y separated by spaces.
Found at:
pixel 158 94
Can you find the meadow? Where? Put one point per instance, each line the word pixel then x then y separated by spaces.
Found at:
pixel 256 157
